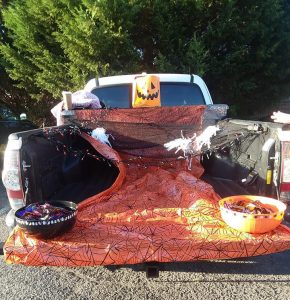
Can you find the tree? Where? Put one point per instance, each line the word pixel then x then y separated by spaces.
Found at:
pixel 241 47
pixel 7 93
pixel 57 45
pixel 250 44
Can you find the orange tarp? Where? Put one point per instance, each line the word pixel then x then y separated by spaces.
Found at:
pixel 160 213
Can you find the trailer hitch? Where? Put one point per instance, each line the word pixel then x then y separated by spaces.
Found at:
pixel 152 270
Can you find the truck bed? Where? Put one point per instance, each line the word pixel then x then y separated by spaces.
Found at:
pixel 232 166
pixel 157 214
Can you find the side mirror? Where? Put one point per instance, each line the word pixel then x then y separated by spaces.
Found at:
pixel 23 116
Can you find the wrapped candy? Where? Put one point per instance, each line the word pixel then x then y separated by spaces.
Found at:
pixel 255 207
pixel 41 212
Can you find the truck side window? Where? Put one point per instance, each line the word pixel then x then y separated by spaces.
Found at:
pixel 114 96
pixel 180 94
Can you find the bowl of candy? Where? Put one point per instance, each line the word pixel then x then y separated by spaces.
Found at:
pixel 47 220
pixel 253 214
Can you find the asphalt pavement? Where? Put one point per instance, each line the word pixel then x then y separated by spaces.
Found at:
pixel 264 277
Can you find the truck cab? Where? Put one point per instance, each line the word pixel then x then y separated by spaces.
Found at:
pixel 175 90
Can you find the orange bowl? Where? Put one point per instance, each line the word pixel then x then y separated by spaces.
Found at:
pixel 253 223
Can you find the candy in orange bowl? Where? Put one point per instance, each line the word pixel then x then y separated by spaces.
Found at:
pixel 253 214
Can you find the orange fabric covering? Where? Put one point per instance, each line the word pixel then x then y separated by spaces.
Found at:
pixel 160 213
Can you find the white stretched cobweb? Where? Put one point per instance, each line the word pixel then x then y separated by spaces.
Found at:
pixel 192 145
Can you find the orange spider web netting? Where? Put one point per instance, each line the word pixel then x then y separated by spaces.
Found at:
pixel 161 213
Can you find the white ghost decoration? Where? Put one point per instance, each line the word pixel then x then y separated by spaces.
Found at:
pixel 100 134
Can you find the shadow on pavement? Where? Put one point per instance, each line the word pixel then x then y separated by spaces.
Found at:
pixel 273 264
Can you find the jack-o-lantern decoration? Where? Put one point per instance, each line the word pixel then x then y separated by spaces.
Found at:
pixel 146 91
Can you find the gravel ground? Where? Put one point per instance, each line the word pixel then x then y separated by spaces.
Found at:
pixel 265 277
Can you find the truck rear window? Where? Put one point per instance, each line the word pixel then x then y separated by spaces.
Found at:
pixel 172 94
pixel 114 96
pixel 179 94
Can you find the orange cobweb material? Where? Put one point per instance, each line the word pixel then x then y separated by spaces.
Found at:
pixel 160 213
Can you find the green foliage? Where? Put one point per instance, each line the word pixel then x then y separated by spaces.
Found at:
pixel 250 47
pixel 241 47
pixel 10 96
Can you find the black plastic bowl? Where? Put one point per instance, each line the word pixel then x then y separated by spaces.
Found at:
pixel 49 229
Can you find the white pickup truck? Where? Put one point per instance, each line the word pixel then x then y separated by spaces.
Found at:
pixel 33 169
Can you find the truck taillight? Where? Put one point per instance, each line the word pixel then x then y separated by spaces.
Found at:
pixel 11 175
pixel 285 172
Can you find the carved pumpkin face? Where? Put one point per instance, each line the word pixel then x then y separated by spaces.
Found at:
pixel 146 91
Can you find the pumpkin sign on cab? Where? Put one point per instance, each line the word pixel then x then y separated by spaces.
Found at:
pixel 146 91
